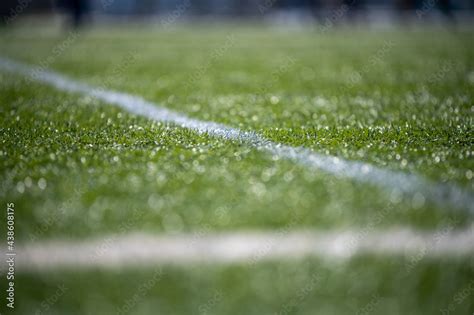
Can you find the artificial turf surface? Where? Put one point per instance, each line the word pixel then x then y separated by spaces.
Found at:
pixel 76 168
pixel 364 285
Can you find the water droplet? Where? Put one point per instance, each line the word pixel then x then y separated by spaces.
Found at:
pixel 274 100
pixel 20 186
pixel 28 182
pixel 42 183
pixel 469 174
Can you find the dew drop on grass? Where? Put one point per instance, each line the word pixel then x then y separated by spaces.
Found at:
pixel 20 187
pixel 469 174
pixel 42 183
pixel 28 182
pixel 274 100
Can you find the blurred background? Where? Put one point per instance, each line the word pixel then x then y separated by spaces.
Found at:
pixel 273 11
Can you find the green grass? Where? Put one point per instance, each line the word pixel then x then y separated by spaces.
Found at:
pixel 415 91
pixel 99 164
pixel 306 287
pixel 76 167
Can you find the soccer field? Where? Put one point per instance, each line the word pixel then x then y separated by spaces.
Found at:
pixel 269 139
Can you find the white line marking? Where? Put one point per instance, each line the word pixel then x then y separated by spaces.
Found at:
pixel 445 195
pixel 248 247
